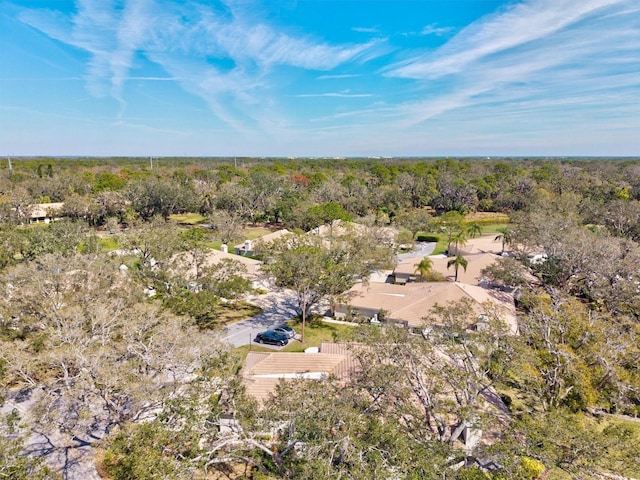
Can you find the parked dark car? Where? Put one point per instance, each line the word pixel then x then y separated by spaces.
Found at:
pixel 272 338
pixel 285 330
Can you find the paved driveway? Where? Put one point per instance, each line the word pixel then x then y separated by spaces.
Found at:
pixel 421 250
pixel 277 307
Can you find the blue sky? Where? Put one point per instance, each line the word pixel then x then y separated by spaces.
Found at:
pixel 320 77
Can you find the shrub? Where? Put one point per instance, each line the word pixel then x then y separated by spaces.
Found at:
pixel 530 468
pixel 434 276
pixel 422 237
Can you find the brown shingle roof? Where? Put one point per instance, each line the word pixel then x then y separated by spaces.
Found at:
pixel 475 263
pixel 214 257
pixel 262 371
pixel 266 239
pixel 42 210
pixel 413 301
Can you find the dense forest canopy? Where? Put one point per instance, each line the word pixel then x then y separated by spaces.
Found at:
pixel 139 375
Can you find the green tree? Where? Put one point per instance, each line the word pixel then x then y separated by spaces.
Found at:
pixel 340 439
pixel 108 181
pixel 15 465
pixel 505 236
pixel 156 196
pixel 424 268
pixel 414 220
pixel 326 213
pixel 457 262
pixel 508 272
pixel 451 223
pixel 474 229
pixel 460 240
pixel 313 271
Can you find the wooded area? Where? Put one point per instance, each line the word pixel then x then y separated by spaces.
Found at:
pixel 110 309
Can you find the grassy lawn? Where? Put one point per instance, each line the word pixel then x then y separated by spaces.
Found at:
pixel 216 245
pixel 315 333
pixel 187 218
pixel 441 246
pixel 251 233
pixel 107 244
pixel 486 218
pixel 237 312
pixel 492 228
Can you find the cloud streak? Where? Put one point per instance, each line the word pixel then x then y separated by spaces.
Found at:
pixel 521 24
pixel 434 29
pixel 536 49
pixel 190 45
pixel 335 94
pixel 541 65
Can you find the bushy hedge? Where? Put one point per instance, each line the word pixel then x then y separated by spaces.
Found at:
pixel 422 237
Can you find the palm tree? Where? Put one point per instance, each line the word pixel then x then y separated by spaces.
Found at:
pixel 423 268
pixel 506 236
pixel 457 262
pixel 474 229
pixel 460 239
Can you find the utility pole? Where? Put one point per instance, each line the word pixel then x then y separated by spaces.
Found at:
pixel 151 162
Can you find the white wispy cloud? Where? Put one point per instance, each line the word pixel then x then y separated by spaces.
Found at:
pixel 184 39
pixel 434 29
pixel 338 77
pixel 365 29
pixel 523 23
pixel 334 94
pixel 110 35
pixel 536 50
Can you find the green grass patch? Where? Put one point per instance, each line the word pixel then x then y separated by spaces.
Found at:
pixel 441 244
pixel 107 244
pixel 441 247
pixel 252 233
pixel 315 333
pixel 235 313
pixel 486 218
pixel 216 245
pixel 187 218
pixel 492 228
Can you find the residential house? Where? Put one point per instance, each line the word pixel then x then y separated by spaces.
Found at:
pixel 339 228
pixel 214 257
pixel 409 304
pixel 45 212
pixel 252 247
pixel 405 271
pixel 263 370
